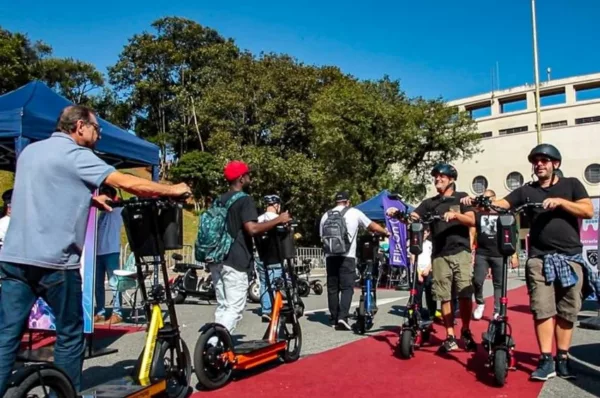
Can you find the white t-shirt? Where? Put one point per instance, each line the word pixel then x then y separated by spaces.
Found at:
pixel 109 232
pixel 4 221
pixel 268 216
pixel 425 258
pixel 354 219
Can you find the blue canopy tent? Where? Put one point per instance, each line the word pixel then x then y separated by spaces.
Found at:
pixel 373 208
pixel 30 113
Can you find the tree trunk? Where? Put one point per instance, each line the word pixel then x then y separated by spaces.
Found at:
pixel 196 124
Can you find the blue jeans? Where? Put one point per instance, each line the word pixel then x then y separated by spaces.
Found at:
pixel 21 286
pixel 107 264
pixel 265 297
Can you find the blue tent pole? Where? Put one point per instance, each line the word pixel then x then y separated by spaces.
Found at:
pixel 155 172
pixel 20 144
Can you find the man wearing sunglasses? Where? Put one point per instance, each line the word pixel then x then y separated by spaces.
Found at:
pixel 41 257
pixel 557 276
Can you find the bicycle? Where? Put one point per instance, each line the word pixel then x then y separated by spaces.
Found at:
pixel 498 340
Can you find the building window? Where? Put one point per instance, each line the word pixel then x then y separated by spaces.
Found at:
pixel 479 185
pixel 552 125
pixel 586 120
pixel 487 134
pixel 514 180
pixel 513 130
pixel 592 173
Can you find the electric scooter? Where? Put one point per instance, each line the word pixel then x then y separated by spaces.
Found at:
pixel 367 304
pixel 216 356
pixel 415 331
pixel 164 369
pixel 305 285
pixel 188 284
pixel 498 340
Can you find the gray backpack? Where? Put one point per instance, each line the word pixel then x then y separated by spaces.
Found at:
pixel 336 240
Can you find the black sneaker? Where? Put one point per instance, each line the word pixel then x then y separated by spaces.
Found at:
pixel 266 318
pixel 545 369
pixel 467 338
pixel 448 345
pixel 563 368
pixel 343 324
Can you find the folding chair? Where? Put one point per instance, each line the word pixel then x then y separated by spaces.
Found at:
pixel 127 285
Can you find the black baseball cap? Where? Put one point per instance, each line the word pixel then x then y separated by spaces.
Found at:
pixel 342 196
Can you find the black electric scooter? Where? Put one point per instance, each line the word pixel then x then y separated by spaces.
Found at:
pixel 498 340
pixel 415 331
pixel 305 284
pixel 188 283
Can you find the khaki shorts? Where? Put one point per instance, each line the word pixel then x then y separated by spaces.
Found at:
pixel 454 270
pixel 550 299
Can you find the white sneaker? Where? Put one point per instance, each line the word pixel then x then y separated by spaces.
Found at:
pixel 478 313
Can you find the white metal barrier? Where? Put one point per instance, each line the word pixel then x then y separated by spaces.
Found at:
pixel 313 253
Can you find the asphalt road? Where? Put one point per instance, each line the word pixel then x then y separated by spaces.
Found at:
pixel 318 336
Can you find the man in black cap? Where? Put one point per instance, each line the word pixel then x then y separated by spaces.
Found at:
pixel 338 230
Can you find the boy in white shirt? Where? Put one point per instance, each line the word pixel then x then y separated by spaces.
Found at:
pixel 425 278
pixel 5 221
pixel 270 263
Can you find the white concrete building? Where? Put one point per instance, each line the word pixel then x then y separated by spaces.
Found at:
pixel 506 119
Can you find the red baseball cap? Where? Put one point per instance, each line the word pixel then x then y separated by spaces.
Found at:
pixel 235 169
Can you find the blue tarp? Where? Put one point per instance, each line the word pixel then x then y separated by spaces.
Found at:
pixel 31 112
pixel 373 208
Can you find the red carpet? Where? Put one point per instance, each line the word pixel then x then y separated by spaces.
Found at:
pixel 368 367
pixel 43 339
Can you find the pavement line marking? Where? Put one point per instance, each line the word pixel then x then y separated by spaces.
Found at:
pixel 355 303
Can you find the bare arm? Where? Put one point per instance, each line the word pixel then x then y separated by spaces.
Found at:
pixel 467 219
pixel 374 227
pixel 254 228
pixel 503 203
pixel 140 186
pixel 582 208
pixel 472 234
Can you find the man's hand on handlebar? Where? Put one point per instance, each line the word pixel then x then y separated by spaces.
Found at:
pixel 552 203
pixel 284 218
pixel 179 190
pixel 467 201
pixel 100 202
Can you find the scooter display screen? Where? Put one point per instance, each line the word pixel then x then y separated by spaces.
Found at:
pixel 416 238
pixel 507 234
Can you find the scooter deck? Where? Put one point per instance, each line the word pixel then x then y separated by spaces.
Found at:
pixel 125 387
pixel 248 347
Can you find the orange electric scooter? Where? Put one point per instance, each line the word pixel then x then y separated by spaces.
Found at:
pixel 216 356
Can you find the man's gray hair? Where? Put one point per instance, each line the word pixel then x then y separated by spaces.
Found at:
pixel 67 121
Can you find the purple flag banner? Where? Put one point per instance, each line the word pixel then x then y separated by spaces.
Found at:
pixel 398 254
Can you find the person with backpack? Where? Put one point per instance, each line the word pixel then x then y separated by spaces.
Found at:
pixel 338 230
pixel 224 243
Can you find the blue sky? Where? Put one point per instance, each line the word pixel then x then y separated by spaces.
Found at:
pixel 436 48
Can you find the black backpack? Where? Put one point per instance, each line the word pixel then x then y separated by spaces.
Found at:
pixel 336 240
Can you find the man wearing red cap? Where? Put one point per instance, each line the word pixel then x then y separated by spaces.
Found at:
pixel 231 278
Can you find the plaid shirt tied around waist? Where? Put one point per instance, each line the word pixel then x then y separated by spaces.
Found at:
pixel 556 266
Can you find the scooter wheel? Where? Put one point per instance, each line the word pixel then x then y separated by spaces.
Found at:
pixel 212 371
pixel 500 367
pixel 361 324
pixel 254 292
pixel 179 298
pixel 303 288
pixel 406 344
pixel 318 289
pixel 52 379
pixel 293 338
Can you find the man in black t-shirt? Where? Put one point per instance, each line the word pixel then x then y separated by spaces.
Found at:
pixel 231 278
pixel 451 255
pixel 487 256
pixel 557 276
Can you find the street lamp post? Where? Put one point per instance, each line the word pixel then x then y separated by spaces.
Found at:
pixel 537 76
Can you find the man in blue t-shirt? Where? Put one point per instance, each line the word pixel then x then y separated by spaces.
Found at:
pixel 54 182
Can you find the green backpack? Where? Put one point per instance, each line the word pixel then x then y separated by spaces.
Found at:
pixel 214 241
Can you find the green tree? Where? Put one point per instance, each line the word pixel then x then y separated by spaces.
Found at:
pixel 202 173
pixel 370 136
pixel 72 78
pixel 20 60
